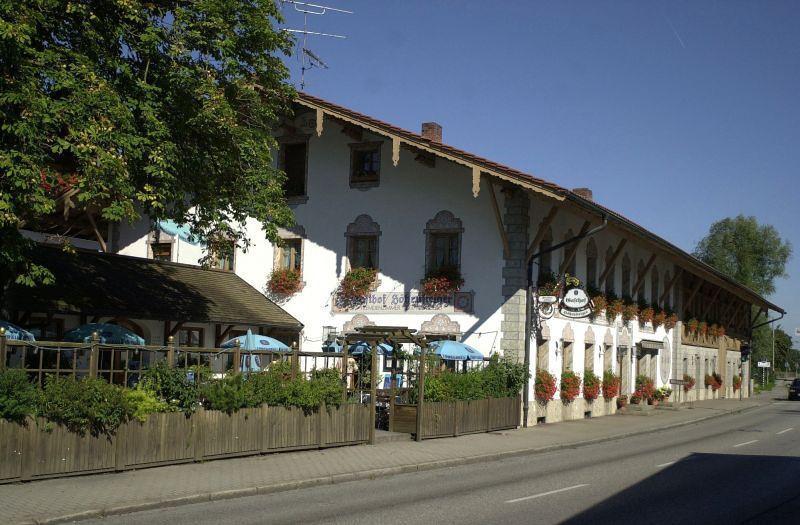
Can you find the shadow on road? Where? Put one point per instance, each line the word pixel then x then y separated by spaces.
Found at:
pixel 708 488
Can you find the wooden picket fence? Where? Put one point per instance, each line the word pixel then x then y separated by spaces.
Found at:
pixel 39 451
pixel 453 418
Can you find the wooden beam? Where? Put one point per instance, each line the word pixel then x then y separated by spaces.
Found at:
pixel 353 131
pixel 221 336
pixel 569 256
pixel 498 218
pixel 543 226
pixel 610 264
pixel 175 329
pixel 99 237
pixel 641 278
pixel 670 285
pixel 728 315
pixel 693 294
pixel 711 303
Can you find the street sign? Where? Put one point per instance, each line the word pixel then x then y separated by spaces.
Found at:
pixel 763 364
pixel 677 382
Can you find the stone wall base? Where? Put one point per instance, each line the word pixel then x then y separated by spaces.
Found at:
pixel 557 411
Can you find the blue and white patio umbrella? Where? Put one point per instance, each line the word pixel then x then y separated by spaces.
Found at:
pixel 15 332
pixel 358 348
pixel 109 334
pixel 251 344
pixel 455 351
pixel 180 231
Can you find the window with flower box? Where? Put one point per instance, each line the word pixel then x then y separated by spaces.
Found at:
pixel 363 245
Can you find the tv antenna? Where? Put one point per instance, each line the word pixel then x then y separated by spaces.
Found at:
pixel 308 59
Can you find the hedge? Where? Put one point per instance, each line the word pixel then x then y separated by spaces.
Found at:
pixel 500 378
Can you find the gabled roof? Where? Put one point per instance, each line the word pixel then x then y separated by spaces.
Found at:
pixel 95 283
pixel 532 183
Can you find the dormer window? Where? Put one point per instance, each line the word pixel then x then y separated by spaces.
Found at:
pixel 365 164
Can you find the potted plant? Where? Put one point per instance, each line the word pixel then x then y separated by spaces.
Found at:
pixel 646 314
pixel 284 281
pixel 659 318
pixel 442 282
pixel 570 386
pixel 357 283
pixel 591 386
pixel 547 284
pixel 622 402
pixel 712 330
pixel 688 382
pixel 711 380
pixel 720 331
pixel 737 382
pixel 646 388
pixel 671 321
pixel 611 384
pixel 630 311
pixel 662 394
pixel 600 304
pixel 692 325
pixel 545 386
pixel 615 307
pixel 702 328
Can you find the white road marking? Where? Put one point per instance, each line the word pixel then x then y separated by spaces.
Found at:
pixel 665 464
pixel 745 443
pixel 784 431
pixel 548 493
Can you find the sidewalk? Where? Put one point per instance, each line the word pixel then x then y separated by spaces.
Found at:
pixel 68 499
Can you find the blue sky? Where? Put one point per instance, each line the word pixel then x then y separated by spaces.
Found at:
pixel 676 114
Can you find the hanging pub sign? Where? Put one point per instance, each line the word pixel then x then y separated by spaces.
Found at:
pixel 568 296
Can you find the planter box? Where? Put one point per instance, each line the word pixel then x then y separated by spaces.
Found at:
pixel 453 418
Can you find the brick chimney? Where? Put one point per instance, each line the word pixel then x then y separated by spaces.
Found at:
pixel 432 131
pixel 586 193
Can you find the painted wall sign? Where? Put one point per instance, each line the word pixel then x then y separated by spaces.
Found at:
pixel 411 302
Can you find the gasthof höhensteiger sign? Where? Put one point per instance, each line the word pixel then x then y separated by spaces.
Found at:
pixel 575 302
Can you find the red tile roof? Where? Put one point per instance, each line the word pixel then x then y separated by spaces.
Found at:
pixel 536 181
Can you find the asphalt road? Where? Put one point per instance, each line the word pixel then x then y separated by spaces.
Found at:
pixel 742 468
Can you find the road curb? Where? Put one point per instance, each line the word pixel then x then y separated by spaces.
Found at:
pixel 358 476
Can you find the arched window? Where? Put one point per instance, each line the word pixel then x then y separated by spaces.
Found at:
pixel 591 264
pixel 443 243
pixel 668 297
pixel 546 260
pixel 639 279
pixel 362 242
pixel 626 276
pixel 654 285
pixel 570 268
pixel 611 278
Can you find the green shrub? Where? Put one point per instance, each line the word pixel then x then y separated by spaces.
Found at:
pixel 18 396
pixel 144 402
pixel 173 386
pixel 504 378
pixel 500 378
pixel 228 394
pixel 85 405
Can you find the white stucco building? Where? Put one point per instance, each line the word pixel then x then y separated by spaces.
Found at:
pixel 366 193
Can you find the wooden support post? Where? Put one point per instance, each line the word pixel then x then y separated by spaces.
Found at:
pixel 498 219
pixel 641 278
pixel 171 352
pixel 392 391
pixel 3 351
pixel 421 393
pixel 320 424
pixel 573 250
pixel 237 358
pixel 345 378
pixel 94 355
pixel 295 360
pixel 712 302
pixel 610 264
pixel 373 390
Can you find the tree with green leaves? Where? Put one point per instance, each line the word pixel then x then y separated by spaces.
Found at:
pixel 751 253
pixel 120 109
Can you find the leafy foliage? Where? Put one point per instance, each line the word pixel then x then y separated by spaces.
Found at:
pixel 284 281
pixel 173 385
pixel 689 382
pixel 751 253
pixel 611 384
pixel 500 378
pixel 18 396
pixel 144 402
pixel 85 405
pixel 357 283
pixel 158 108
pixel 591 386
pixel 570 386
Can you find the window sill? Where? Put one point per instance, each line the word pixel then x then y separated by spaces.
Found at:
pixel 298 199
pixel 364 184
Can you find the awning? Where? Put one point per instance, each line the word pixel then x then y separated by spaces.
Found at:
pixel 180 231
pixel 651 345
